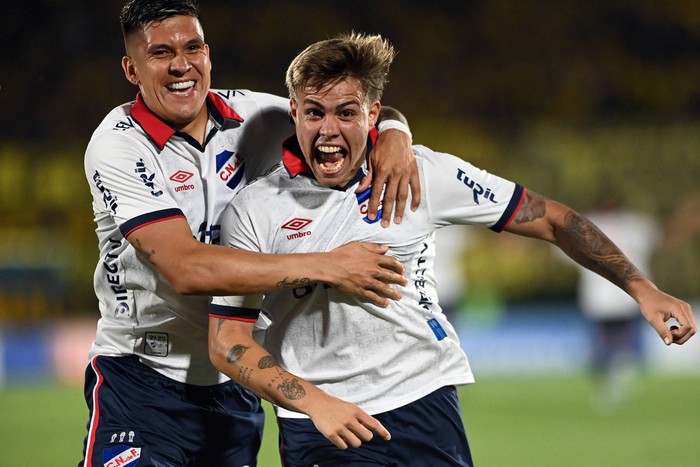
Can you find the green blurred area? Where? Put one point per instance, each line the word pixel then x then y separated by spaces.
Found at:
pixel 529 423
pixel 579 101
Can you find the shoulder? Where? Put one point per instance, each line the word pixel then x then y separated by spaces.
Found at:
pixel 118 133
pixel 264 186
pixel 244 101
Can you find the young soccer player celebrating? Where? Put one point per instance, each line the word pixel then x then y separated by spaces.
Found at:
pixel 400 364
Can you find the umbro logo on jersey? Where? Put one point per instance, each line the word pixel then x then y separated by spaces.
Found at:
pixel 182 176
pixel 297 224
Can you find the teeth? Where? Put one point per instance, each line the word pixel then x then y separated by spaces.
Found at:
pixel 182 85
pixel 329 149
pixel 331 167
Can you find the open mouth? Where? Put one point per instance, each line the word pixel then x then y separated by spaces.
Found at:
pixel 181 87
pixel 330 159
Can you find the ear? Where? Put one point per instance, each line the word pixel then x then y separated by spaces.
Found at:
pixel 293 108
pixel 130 70
pixel 373 114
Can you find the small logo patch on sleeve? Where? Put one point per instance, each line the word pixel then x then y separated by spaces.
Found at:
pixel 437 329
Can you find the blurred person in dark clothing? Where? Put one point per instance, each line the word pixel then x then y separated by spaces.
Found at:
pixel 614 315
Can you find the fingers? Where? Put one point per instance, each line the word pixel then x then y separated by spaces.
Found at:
pixel 367 272
pixel 686 327
pixel 365 183
pixel 360 431
pixel 679 332
pixel 415 187
pixel 375 196
pixel 391 270
pixel 338 441
pixel 376 426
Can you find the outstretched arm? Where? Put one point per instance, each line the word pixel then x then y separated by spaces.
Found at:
pixel 581 240
pixel 192 267
pixel 393 164
pixel 234 352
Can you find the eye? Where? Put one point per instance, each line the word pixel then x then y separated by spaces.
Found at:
pixel 160 53
pixel 195 47
pixel 314 113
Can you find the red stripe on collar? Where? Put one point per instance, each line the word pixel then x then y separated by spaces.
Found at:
pixel 160 132
pixel 293 158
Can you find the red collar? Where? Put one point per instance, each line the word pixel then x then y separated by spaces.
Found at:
pixel 160 132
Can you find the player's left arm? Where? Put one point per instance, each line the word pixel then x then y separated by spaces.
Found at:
pixel 234 352
pixel 580 239
pixel 393 164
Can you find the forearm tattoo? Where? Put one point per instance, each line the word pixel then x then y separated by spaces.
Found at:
pixel 290 387
pixel 268 361
pixel 591 248
pixel 148 255
pixel 244 374
pixel 290 284
pixel 532 208
pixel 236 352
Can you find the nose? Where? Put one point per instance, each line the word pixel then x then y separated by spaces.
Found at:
pixel 329 127
pixel 180 64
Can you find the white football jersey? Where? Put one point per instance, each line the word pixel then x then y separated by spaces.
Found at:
pixel 378 358
pixel 142 171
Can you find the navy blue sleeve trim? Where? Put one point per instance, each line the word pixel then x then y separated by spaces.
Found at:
pixel 234 312
pixel 509 213
pixel 156 216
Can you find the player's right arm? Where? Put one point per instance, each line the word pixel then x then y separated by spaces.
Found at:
pixel 234 352
pixel 155 226
pixel 545 219
pixel 193 267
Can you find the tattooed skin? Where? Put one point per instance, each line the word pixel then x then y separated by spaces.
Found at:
pixel 592 249
pixel 582 241
pixel 235 353
pixel 219 323
pixel 532 208
pixel 292 390
pixel 146 254
pixel 244 374
pixel 287 284
pixel 268 361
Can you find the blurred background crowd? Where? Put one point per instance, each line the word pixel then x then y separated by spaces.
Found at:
pixel 589 103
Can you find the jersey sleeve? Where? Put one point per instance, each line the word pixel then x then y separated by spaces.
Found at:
pixel 124 183
pixel 238 307
pixel 237 232
pixel 460 193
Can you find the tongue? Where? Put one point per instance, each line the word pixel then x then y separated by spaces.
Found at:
pixel 330 163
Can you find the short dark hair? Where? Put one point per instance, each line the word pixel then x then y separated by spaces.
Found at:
pixel 365 57
pixel 136 14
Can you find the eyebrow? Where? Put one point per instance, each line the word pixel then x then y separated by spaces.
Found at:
pixel 339 106
pixel 193 41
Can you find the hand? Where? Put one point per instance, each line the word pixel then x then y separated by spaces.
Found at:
pixel 364 270
pixel 345 424
pixel 393 164
pixel 658 307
